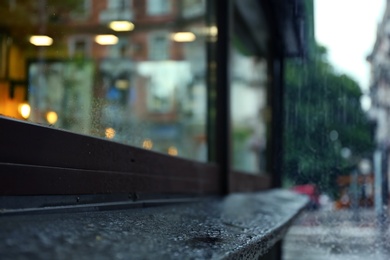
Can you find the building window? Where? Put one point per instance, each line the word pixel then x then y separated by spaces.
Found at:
pixel 79 46
pixel 119 4
pixel 193 8
pixel 158 47
pixel 158 7
pixel 83 11
pixel 117 10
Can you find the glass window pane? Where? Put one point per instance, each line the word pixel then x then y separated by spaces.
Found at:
pixel 249 90
pixel 111 69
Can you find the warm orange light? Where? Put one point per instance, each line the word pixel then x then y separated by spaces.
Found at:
pixel 41 40
pixel 110 132
pixel 147 144
pixel 24 110
pixel 213 31
pixel 106 39
pixel 51 117
pixel 122 84
pixel 183 37
pixel 121 26
pixel 172 151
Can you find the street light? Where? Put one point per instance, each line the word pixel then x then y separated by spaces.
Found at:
pixel 365 169
pixel 365 166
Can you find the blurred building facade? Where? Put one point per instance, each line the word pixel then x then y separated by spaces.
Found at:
pixel 379 112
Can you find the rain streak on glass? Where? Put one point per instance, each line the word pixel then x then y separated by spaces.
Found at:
pixel 337 128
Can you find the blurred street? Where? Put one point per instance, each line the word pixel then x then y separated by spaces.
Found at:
pixel 333 235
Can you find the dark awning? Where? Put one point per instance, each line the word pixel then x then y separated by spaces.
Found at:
pixel 287 22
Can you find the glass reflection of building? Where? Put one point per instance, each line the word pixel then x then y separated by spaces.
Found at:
pixel 142 79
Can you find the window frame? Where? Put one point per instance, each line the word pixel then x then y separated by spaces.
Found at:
pixel 40 160
pixel 71 163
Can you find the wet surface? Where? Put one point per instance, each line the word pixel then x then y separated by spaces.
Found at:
pixel 334 235
pixel 238 226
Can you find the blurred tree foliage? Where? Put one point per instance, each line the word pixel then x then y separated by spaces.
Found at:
pixel 322 116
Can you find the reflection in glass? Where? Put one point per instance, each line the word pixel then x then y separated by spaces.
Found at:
pixel 248 111
pixel 249 87
pixel 128 71
pixel 24 110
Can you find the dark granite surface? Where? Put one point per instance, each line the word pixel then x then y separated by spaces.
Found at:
pixel 236 226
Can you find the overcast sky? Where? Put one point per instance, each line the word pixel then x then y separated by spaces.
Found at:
pixel 347 28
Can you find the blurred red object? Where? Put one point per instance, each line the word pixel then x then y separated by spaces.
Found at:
pixel 311 191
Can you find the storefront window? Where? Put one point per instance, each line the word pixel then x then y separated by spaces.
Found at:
pixel 117 67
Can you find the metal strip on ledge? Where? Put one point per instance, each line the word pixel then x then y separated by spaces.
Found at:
pixel 238 226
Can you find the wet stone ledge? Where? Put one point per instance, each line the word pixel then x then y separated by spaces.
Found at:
pixel 238 226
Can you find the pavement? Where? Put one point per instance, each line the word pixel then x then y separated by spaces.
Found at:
pixel 334 235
